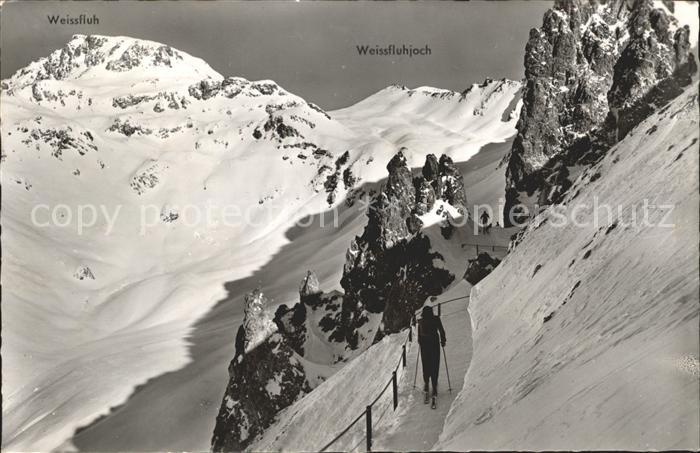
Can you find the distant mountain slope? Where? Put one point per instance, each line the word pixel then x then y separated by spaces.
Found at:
pixel 425 118
pixel 586 337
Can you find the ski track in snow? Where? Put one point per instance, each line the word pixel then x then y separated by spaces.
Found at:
pixel 414 425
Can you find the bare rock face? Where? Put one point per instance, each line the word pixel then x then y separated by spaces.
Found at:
pixel 439 180
pixel 452 184
pixel 431 169
pixel 593 71
pixel 425 196
pixel 389 211
pixel 255 322
pixel 389 270
pixel 84 273
pixel 309 285
pixel 268 379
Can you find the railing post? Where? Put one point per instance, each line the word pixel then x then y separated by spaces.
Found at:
pixel 403 357
pixel 410 333
pixel 396 388
pixel 368 412
pixel 439 309
pixel 477 249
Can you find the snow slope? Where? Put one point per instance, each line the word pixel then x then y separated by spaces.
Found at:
pixel 586 337
pixel 343 397
pixel 95 137
pixel 316 418
pixel 137 128
pixel 312 422
pixel 425 118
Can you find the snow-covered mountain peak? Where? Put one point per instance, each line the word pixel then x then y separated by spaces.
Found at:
pixel 483 90
pixel 483 112
pixel 96 59
pixel 196 179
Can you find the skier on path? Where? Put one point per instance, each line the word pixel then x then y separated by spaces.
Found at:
pixel 431 335
pixel 485 222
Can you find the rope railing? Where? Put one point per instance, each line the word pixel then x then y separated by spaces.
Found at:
pixel 367 413
pixel 486 247
pixel 343 432
pixel 393 383
pixel 439 306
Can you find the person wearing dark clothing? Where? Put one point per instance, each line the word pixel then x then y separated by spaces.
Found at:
pixel 431 335
pixel 240 344
pixel 485 222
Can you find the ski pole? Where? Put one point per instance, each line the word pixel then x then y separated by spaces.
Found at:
pixel 415 375
pixel 447 369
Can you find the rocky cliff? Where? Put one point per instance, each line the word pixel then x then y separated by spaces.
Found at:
pixel 390 270
pixel 593 71
pixel 266 379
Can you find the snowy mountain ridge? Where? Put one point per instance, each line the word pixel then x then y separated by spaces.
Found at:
pixel 146 294
pixel 151 137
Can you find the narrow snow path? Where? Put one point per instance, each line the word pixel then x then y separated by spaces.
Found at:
pixel 414 425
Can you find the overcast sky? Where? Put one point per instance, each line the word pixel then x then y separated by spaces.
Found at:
pixel 307 47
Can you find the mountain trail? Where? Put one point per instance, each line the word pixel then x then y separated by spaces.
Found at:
pixel 414 425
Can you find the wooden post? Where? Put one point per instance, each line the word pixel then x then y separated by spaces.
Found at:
pixel 439 310
pixel 368 412
pixel 410 334
pixel 403 357
pixel 477 249
pixel 396 389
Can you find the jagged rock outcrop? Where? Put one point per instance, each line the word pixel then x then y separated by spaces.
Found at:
pixel 390 270
pixel 292 321
pixel 452 184
pixel 425 196
pixel 441 180
pixel 256 323
pixel 479 267
pixel 309 286
pixel 83 273
pixel 388 213
pixel 269 378
pixel 593 71
pixel 389 273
